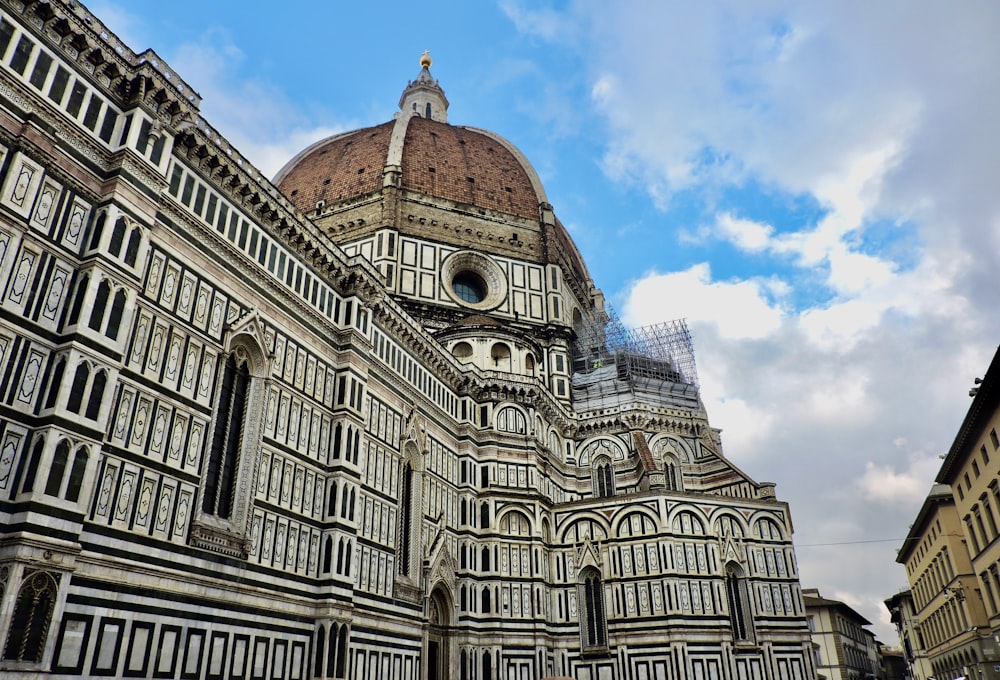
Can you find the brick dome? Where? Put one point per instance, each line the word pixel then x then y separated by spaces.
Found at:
pixel 459 164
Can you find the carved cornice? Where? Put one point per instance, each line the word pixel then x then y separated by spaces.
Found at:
pixel 124 76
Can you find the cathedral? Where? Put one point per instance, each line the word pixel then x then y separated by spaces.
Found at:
pixel 368 419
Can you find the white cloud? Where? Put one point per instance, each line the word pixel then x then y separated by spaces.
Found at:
pixel 841 102
pixel 738 309
pixel 745 234
pixel 887 485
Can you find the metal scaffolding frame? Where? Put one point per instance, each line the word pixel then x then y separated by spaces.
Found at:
pixel 662 351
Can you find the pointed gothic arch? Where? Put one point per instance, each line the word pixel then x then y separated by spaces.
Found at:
pixel 593 617
pixel 233 447
pixel 738 602
pixel 32 616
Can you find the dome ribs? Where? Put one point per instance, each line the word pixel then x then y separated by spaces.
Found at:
pixel 466 167
pixel 344 168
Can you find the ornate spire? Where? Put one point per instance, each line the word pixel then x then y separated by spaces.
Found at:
pixel 424 96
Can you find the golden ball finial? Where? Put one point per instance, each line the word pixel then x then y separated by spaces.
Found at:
pixel 425 59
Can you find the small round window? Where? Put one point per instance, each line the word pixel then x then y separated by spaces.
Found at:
pixel 469 287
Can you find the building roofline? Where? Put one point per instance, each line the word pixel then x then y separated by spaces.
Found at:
pixel 984 403
pixel 820 601
pixel 939 494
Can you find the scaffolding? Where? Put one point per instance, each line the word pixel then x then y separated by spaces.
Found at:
pixel 662 351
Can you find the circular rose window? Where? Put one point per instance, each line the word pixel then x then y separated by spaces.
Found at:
pixel 473 280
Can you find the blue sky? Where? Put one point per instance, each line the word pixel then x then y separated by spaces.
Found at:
pixel 814 186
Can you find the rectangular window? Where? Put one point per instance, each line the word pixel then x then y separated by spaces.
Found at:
pixel 76 99
pixel 984 454
pixel 58 87
pixel 41 70
pixel 243 234
pixel 108 126
pixel 19 60
pixel 994 439
pixel 93 111
pixel 126 128
pixel 157 153
pixel 6 33
pixel 143 141
pixel 199 200
pixel 213 202
pixel 220 226
pixel 253 242
pixel 234 225
pixel 175 180
pixel 262 251
pixel 188 190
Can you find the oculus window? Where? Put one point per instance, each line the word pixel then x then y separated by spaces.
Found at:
pixel 469 287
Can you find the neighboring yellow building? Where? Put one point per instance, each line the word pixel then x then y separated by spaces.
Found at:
pixel 972 471
pixel 945 594
pixel 951 553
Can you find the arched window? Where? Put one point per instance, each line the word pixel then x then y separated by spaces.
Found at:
pixel 501 356
pixel 132 250
pixel 117 237
pixel 337 434
pixel 100 304
pixel 485 559
pixel 331 506
pixel 331 650
pixel 29 626
pixel 58 469
pixel 95 238
pixel 220 475
pixel 593 624
pixel 604 479
pixel 327 554
pixel 739 604
pixel 510 419
pixel 57 376
pixel 462 351
pixel 76 474
pixel 97 389
pixel 81 293
pixel 405 519
pixel 487 666
pixel 115 318
pixel 529 364
pixel 484 515
pixel 320 651
pixel 672 476
pixel 486 600
pixel 75 400
pixel 341 671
